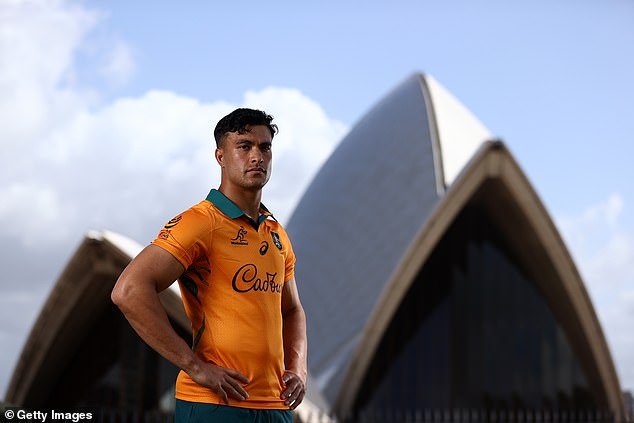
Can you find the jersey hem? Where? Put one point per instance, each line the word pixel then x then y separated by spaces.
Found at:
pixel 250 404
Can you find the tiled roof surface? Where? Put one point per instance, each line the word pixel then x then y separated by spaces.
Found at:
pixel 356 220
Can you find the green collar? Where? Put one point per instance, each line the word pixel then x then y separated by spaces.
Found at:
pixel 232 211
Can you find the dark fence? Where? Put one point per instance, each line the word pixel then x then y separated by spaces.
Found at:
pixel 104 415
pixel 113 415
pixel 11 414
pixel 466 416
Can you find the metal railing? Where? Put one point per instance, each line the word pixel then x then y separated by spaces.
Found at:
pixel 464 416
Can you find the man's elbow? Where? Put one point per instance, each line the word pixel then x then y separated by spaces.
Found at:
pixel 120 294
pixel 295 312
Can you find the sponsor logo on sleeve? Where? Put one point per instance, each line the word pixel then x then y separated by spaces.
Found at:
pixel 173 222
pixel 165 232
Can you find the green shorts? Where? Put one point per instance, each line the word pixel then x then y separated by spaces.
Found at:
pixel 196 412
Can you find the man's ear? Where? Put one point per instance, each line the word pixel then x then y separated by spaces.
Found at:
pixel 220 155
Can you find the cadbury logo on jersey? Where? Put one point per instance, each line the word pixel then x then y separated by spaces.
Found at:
pixel 246 279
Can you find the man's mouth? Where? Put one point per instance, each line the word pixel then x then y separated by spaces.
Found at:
pixel 256 169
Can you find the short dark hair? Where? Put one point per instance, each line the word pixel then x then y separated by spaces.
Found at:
pixel 239 119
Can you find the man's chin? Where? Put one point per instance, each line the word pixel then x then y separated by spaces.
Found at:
pixel 255 185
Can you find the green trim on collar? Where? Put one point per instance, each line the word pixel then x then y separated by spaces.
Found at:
pixel 225 205
pixel 231 210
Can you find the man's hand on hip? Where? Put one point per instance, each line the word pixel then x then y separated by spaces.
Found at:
pixel 294 391
pixel 224 382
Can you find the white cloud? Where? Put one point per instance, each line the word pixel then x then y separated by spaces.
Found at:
pixel 34 211
pixel 619 319
pixel 604 253
pixel 150 157
pixel 24 303
pixel 120 65
pixel 601 245
pixel 117 165
pixel 37 43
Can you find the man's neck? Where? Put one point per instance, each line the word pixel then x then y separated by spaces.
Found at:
pixel 247 201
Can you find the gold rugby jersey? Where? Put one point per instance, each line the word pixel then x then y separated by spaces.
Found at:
pixel 232 290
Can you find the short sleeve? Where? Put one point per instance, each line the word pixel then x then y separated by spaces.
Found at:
pixel 289 261
pixel 186 236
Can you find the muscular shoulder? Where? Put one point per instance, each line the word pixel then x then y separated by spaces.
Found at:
pixel 193 222
pixel 188 235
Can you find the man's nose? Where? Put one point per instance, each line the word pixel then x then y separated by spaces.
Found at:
pixel 256 156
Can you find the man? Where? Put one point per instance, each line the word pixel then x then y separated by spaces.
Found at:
pixel 235 268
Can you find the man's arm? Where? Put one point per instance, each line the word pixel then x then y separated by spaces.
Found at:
pixel 295 346
pixel 136 294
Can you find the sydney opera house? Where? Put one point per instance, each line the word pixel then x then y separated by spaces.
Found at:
pixel 435 283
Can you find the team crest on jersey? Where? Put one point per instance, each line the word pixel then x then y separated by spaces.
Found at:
pixel 239 239
pixel 276 240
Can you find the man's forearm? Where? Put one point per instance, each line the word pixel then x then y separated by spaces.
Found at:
pixel 295 342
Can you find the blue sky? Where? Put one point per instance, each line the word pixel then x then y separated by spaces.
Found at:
pixel 531 71
pixel 107 110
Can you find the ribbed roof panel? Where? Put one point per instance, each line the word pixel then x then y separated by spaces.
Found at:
pixel 357 219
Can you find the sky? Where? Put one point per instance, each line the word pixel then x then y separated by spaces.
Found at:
pixel 107 111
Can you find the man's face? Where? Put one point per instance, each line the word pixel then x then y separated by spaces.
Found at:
pixel 246 158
